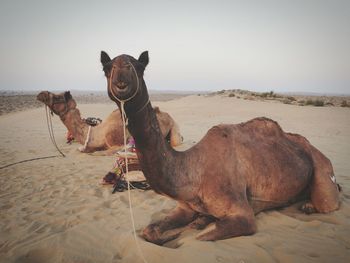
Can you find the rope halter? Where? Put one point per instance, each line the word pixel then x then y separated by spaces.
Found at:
pixel 125 120
pixel 123 101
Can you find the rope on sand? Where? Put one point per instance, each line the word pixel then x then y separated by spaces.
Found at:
pixel 52 137
pixel 51 133
pixel 29 160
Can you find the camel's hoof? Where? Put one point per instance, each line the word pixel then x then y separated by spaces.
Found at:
pixel 308 208
pixel 205 237
pixel 152 234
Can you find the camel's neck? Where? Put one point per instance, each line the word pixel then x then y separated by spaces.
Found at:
pixel 76 126
pixel 156 157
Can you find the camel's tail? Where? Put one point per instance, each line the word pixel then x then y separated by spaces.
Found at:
pixel 324 188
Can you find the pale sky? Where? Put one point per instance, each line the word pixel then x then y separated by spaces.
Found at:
pixel 296 45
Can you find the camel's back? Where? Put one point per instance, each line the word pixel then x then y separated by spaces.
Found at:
pixel 114 118
pixel 259 152
pixel 259 128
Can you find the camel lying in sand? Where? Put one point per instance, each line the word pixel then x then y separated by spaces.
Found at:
pixel 234 172
pixel 109 134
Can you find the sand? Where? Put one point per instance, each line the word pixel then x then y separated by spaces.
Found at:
pixel 55 210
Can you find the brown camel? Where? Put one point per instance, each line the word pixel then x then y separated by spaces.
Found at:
pixel 109 134
pixel 233 173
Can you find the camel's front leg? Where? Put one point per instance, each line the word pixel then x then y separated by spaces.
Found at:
pixel 231 225
pixel 171 226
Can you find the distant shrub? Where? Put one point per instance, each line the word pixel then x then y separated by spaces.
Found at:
pixel 231 95
pixel 301 102
pixel 309 102
pixel 238 97
pixel 221 92
pixel 344 103
pixel 291 98
pixel 271 94
pixel 287 101
pixel 318 103
pixel 264 94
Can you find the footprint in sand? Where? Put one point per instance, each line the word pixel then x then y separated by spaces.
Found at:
pixel 313 255
pixel 38 256
pixel 124 199
pixel 106 204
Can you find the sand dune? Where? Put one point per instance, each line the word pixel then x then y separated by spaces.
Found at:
pixel 55 210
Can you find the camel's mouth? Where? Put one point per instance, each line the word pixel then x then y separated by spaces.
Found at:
pixel 121 86
pixel 121 90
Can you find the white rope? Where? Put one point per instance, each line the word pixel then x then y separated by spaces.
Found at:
pixel 127 179
pixel 124 118
pixel 86 140
pixel 51 133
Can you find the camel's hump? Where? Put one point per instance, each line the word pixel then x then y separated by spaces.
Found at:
pixel 262 125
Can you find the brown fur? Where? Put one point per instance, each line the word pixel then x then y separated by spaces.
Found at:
pixel 108 134
pixel 234 172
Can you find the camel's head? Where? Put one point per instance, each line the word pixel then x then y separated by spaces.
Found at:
pixel 60 103
pixel 124 76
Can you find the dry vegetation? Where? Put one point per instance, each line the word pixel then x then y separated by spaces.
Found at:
pixel 301 100
pixel 19 101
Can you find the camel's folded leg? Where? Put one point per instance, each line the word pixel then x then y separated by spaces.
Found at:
pixel 110 151
pixel 324 189
pixel 240 222
pixel 201 222
pixel 85 149
pixel 159 232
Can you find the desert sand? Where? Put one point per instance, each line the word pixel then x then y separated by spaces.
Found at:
pixel 55 210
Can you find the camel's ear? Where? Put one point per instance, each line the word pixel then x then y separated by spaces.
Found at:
pixel 156 109
pixel 104 58
pixel 143 58
pixel 67 96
